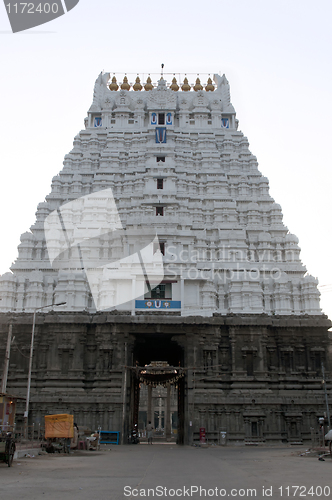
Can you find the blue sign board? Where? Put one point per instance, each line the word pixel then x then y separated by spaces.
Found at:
pixel 157 304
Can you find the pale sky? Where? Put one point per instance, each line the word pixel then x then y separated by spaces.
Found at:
pixel 275 54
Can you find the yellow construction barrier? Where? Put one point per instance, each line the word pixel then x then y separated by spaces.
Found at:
pixel 59 426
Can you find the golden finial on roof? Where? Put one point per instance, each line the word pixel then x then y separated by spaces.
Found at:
pixel 137 86
pixel 113 85
pixel 125 85
pixel 148 85
pixel 198 85
pixel 174 85
pixel 185 87
pixel 209 86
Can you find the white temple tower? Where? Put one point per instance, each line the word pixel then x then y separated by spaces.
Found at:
pixel 167 162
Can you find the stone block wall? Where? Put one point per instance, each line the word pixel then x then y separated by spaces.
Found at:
pixel 256 377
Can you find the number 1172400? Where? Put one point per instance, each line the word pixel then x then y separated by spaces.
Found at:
pixel 304 491
pixel 32 8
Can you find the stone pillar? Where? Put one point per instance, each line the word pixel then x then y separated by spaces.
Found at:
pixel 159 412
pixel 237 421
pixel 228 422
pixel 233 344
pixel 263 354
pixel 85 417
pixel 247 427
pixel 133 294
pixel 182 296
pixel 149 412
pixel 110 420
pixel 168 413
pixel 211 425
pixel 104 419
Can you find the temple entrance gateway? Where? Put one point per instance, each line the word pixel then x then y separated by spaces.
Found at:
pixel 158 399
pixel 158 395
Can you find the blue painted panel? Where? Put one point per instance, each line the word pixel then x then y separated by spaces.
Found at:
pixel 161 135
pixel 157 304
pixel 153 118
pixel 224 123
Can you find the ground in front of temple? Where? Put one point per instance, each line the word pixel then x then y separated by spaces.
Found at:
pixel 165 471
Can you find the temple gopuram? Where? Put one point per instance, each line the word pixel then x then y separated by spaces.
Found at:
pixel 161 282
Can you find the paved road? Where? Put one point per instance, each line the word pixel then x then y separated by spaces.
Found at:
pixel 167 471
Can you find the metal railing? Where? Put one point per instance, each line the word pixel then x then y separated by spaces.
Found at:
pixel 29 438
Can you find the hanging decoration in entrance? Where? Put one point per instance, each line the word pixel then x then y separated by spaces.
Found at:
pixel 160 376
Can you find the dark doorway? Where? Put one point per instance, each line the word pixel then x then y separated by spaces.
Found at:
pixel 254 429
pixel 157 347
pixel 250 364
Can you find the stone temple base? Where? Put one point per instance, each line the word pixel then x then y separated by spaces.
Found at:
pixel 247 378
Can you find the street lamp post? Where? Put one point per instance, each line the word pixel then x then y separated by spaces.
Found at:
pixel 6 364
pixel 26 413
pixel 326 398
pixel 7 357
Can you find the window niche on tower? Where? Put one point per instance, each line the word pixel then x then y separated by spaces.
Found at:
pixel 287 360
pixel 254 429
pixel 158 292
pixel 158 118
pixel 316 361
pixel 209 356
pixel 250 364
pixel 161 291
pixel 160 211
pixel 248 361
pixel 64 362
pixel 160 183
pixel 160 158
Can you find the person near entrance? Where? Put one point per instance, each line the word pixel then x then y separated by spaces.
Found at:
pixel 149 429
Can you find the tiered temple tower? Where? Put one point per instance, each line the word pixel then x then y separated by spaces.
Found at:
pixel 161 239
pixel 177 168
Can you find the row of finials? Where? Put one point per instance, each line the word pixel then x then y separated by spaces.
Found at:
pixel 185 87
